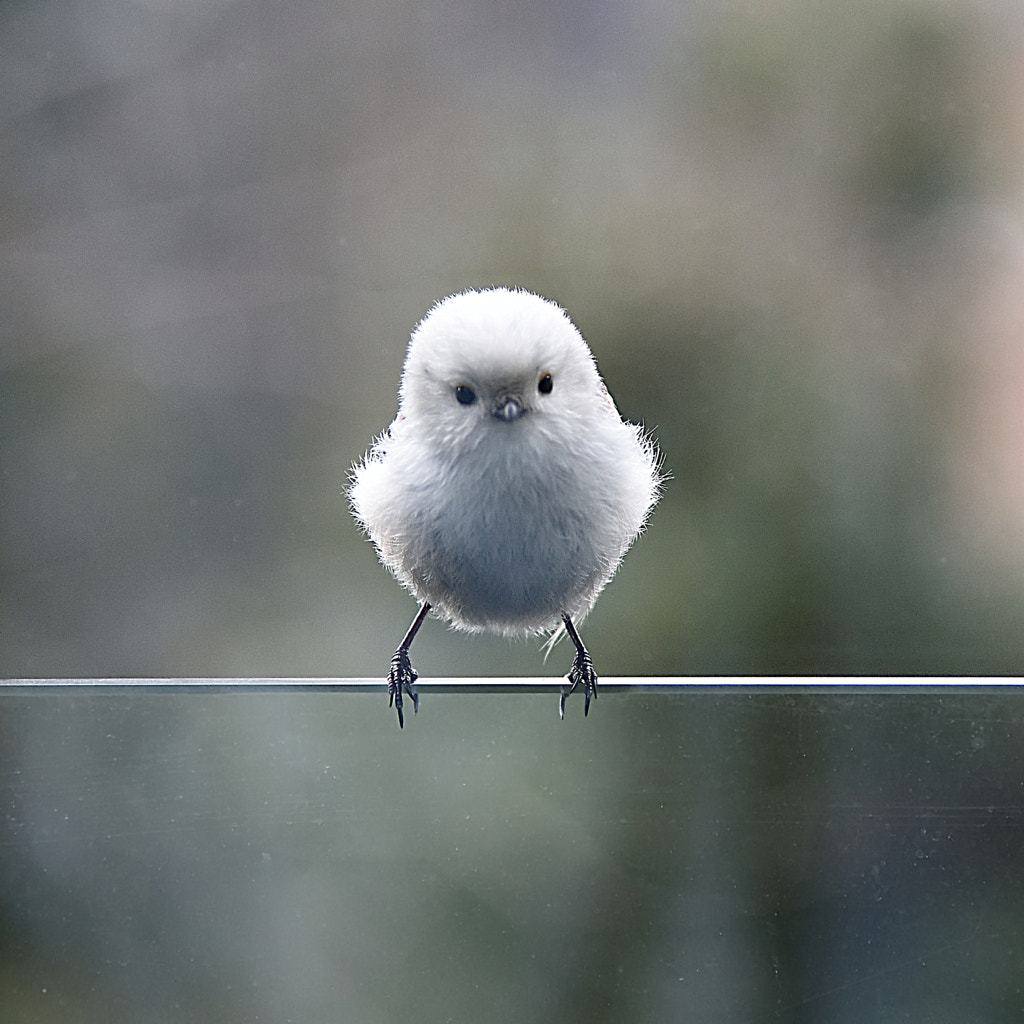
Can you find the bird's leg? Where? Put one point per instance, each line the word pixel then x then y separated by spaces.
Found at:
pixel 402 675
pixel 582 671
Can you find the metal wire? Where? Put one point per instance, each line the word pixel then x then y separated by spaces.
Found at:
pixel 739 685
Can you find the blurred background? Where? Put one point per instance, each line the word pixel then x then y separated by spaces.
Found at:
pixel 793 235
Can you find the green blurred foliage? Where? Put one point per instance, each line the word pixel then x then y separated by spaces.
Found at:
pixel 771 222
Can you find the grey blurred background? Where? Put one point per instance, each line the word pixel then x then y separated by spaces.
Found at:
pixel 793 234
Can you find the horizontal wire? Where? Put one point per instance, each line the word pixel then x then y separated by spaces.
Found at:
pixel 749 685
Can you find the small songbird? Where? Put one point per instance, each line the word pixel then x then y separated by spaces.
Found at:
pixel 507 490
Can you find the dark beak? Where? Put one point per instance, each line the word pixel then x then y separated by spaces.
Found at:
pixel 507 408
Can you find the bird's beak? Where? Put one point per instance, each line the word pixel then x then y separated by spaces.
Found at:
pixel 507 408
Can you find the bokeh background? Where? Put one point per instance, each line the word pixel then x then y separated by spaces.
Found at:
pixel 793 234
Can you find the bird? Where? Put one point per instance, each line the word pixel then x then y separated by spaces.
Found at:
pixel 508 488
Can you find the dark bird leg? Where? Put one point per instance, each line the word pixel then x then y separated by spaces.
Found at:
pixel 402 675
pixel 582 671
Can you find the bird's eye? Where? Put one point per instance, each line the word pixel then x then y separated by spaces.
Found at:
pixel 545 384
pixel 465 395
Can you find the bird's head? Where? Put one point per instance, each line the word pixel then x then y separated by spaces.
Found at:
pixel 499 367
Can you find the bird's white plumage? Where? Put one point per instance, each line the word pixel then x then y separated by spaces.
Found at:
pixel 505 511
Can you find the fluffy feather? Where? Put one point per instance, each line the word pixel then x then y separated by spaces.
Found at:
pixel 508 488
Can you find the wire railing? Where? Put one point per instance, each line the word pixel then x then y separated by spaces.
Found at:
pixel 740 685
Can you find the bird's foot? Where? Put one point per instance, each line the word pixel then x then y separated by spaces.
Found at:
pixel 581 674
pixel 400 679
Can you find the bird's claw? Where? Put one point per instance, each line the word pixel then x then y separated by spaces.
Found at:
pixel 400 679
pixel 581 674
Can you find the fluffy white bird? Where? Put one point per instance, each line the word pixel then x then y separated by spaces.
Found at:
pixel 507 490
